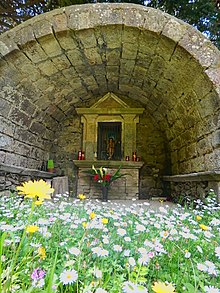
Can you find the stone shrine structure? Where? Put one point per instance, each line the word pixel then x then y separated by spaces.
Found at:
pixel 55 64
pixel 109 110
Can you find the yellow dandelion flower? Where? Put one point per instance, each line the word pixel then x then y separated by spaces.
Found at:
pixel 32 229
pixel 81 196
pixel 204 227
pixel 33 189
pixel 104 221
pixel 42 252
pixel 84 224
pixel 198 218
pixel 160 287
pixel 92 215
pixel 38 202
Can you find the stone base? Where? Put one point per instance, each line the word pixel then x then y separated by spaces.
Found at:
pixel 124 188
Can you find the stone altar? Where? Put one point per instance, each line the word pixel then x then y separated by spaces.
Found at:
pixel 126 187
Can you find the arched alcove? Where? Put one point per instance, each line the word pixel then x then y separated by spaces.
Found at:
pixel 69 58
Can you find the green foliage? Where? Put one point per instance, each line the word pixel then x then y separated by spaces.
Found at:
pixel 203 15
pixel 158 245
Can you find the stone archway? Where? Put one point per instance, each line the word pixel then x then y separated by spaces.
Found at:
pixel 70 57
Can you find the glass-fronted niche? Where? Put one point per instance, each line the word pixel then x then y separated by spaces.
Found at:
pixel 109 146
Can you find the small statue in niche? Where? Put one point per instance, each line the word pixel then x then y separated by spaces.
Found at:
pixel 110 148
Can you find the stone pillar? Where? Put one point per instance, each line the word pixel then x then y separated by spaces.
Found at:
pixel 89 135
pixel 130 121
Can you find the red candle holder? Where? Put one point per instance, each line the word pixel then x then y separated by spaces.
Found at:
pixel 79 155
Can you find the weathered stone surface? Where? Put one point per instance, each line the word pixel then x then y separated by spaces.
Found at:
pixel 216 139
pixel 28 107
pixel 5 142
pixel 5 107
pixel 59 22
pixel 20 117
pixel 50 45
pixel 175 29
pixel 22 34
pixel 2 156
pixel 70 57
pixel 42 28
pixel 7 46
pixel 34 52
pixel 11 176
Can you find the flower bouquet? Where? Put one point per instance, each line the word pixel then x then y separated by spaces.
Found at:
pixel 101 175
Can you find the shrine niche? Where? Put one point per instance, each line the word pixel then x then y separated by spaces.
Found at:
pixel 109 129
pixel 109 137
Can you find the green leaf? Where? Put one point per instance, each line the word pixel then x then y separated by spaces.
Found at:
pixel 190 288
pixel 50 282
pixel 107 278
pixel 142 279
pixel 143 271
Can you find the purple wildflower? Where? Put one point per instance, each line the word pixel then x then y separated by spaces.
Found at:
pixel 38 274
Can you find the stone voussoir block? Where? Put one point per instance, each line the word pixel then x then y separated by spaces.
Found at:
pixel 59 22
pixel 175 29
pixel 7 45
pixel 155 20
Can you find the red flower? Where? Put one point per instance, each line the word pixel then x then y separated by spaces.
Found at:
pixel 107 177
pixel 96 177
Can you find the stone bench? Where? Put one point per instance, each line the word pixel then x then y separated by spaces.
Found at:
pixel 11 176
pixel 196 184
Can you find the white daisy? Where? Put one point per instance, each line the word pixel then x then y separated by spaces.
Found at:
pixel 121 232
pixel 126 252
pixel 68 277
pixel 97 273
pixel 129 287
pixel 144 259
pixel 217 251
pixel 187 254
pixel 38 283
pixel 211 289
pixel 202 267
pixel 75 251
pixel 140 228
pixel 131 261
pixel 127 239
pixel 199 248
pixel 100 290
pixel 117 248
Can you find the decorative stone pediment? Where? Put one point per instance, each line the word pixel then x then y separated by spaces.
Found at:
pixel 110 104
pixel 110 110
pixel 110 101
